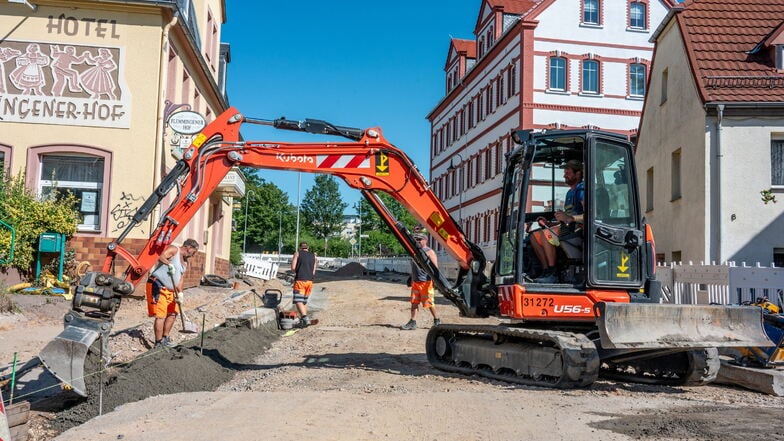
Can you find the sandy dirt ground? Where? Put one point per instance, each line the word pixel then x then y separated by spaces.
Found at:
pixel 356 375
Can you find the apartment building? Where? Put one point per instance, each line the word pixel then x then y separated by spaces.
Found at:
pixel 533 64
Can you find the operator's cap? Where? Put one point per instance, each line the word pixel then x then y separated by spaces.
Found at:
pixel 420 236
pixel 574 165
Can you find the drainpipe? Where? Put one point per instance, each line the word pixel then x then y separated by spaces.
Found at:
pixel 163 69
pixel 719 164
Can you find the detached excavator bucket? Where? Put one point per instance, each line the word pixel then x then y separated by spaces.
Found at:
pixel 65 356
pixel 655 326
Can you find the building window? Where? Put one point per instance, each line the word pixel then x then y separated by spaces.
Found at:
pixel 590 76
pixel 677 257
pixel 676 174
pixel 665 74
pixel 637 15
pixel 557 73
pixel 778 257
pixel 649 190
pixel 513 80
pixel 591 12
pixel 637 80
pixel 83 176
pixel 777 162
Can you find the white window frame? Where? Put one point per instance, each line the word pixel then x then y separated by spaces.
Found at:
pixel 45 183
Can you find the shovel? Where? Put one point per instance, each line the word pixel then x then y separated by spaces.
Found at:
pixel 188 327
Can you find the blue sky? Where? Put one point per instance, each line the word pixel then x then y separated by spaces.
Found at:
pixel 353 63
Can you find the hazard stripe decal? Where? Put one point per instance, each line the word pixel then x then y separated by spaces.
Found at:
pixel 342 161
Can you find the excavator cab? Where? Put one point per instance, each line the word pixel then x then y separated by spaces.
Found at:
pixel 605 247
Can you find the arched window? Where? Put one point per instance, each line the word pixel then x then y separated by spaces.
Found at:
pixel 637 80
pixel 590 76
pixel 637 15
pixel 591 11
pixel 557 73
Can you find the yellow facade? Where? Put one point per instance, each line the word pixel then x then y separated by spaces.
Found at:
pixel 85 91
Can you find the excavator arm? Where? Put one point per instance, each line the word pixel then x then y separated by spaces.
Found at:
pixel 368 163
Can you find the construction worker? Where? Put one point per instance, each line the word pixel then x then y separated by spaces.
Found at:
pixel 422 286
pixel 304 265
pixel 164 289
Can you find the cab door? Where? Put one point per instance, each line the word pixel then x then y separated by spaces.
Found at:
pixel 614 237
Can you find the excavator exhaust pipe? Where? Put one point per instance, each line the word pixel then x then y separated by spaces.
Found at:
pixel 666 326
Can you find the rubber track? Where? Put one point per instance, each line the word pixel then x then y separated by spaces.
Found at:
pixel 580 357
pixel 696 367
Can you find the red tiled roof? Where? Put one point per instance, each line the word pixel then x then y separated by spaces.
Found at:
pixel 467 46
pixel 514 6
pixel 721 37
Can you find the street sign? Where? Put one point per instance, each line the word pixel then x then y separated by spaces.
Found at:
pixel 352 241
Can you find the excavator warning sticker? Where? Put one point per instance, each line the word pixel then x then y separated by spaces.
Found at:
pixel 342 161
pixel 382 164
pixel 199 140
pixel 623 268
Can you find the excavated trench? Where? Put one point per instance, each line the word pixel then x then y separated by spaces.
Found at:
pixel 190 367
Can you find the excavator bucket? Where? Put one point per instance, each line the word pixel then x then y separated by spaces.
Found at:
pixel 64 356
pixel 659 326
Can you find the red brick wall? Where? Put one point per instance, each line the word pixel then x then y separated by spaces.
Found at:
pixel 93 250
pixel 222 267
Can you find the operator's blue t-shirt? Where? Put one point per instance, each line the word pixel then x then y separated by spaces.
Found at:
pixel 573 205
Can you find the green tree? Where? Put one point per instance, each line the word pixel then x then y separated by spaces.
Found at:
pixel 322 208
pixel 269 216
pixel 381 240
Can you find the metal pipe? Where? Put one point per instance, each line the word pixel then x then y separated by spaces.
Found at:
pixel 245 228
pixel 719 205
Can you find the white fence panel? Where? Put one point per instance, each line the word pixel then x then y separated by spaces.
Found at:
pixel 260 268
pixel 721 284
pixel 749 283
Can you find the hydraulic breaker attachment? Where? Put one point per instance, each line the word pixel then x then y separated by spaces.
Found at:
pixel 665 326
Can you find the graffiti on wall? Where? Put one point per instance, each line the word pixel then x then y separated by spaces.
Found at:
pixel 122 213
pixel 49 83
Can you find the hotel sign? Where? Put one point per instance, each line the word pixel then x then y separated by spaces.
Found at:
pixel 52 83
pixel 187 122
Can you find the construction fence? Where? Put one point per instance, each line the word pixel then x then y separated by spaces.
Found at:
pixel 720 284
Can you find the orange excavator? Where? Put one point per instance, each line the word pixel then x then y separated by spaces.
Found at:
pixel 601 313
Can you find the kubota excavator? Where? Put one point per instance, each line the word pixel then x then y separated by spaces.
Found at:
pixel 602 315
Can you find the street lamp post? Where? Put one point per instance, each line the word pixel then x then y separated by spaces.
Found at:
pixel 245 228
pixel 296 240
pixel 460 189
pixel 280 232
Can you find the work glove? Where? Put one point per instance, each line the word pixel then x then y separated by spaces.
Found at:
pixel 179 298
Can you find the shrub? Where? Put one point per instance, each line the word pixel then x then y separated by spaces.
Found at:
pixel 30 216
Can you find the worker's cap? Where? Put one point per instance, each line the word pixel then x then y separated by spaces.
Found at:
pixel 574 165
pixel 419 236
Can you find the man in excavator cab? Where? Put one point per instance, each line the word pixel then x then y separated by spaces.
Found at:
pixel 566 232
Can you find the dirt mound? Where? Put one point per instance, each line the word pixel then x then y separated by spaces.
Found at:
pixel 226 351
pixel 351 269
